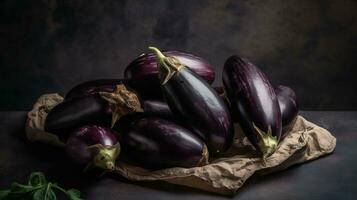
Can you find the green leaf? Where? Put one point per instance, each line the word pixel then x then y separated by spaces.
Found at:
pixel 51 195
pixel 37 189
pixel 39 194
pixel 74 194
pixel 45 193
pixel 17 188
pixel 36 179
pixel 4 194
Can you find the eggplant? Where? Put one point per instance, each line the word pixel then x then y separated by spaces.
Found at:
pixel 93 146
pixel 102 108
pixel 93 86
pixel 156 143
pixel 150 107
pixel 288 104
pixel 192 100
pixel 77 112
pixel 93 109
pixel 143 73
pixel 254 100
pixel 157 108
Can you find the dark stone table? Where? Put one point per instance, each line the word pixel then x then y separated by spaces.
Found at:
pixel 331 177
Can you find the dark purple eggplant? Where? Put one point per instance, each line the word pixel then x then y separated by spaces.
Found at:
pixel 151 107
pixel 157 108
pixel 288 104
pixel 74 113
pixel 93 86
pixel 143 73
pixel 103 108
pixel 253 99
pixel 192 100
pixel 94 146
pixel 157 143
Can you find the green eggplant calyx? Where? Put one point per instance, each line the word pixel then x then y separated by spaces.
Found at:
pixel 167 65
pixel 267 142
pixel 106 156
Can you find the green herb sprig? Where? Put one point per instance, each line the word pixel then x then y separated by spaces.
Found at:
pixel 37 188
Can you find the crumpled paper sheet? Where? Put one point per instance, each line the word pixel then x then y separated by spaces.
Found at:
pixel 35 122
pixel 303 141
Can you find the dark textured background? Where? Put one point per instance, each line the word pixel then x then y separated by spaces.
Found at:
pixel 50 45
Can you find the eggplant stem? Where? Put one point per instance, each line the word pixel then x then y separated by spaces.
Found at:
pixel 205 156
pixel 167 65
pixel 106 156
pixel 267 142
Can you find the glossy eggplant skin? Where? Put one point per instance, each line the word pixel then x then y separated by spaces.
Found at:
pixel 254 100
pixel 143 74
pixel 288 104
pixel 93 145
pixel 150 107
pixel 200 108
pixel 157 143
pixel 195 103
pixel 93 86
pixel 77 112
pixel 157 108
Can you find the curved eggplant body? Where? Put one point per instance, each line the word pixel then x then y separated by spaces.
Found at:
pixel 253 99
pixel 77 112
pixel 93 86
pixel 157 108
pixel 158 143
pixel 192 100
pixel 143 74
pixel 94 146
pixel 288 104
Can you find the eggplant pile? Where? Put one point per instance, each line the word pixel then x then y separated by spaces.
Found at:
pixel 194 102
pixel 165 113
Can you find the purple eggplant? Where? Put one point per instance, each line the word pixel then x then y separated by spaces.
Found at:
pixel 157 108
pixel 253 98
pixel 157 143
pixel 74 113
pixel 288 104
pixel 94 146
pixel 93 86
pixel 192 100
pixel 143 73
pixel 103 108
pixel 150 107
